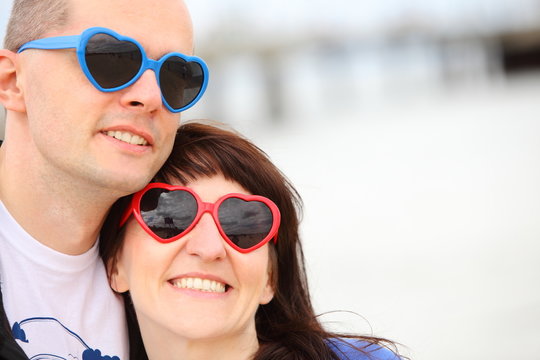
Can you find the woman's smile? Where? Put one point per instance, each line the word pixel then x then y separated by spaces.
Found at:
pixel 195 283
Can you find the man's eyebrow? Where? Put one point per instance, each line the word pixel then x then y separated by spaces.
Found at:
pixel 191 53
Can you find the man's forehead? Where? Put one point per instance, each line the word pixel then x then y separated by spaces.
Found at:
pixel 159 29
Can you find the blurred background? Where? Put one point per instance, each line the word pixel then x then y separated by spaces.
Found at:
pixel 411 130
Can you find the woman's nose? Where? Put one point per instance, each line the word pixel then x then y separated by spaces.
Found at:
pixel 205 240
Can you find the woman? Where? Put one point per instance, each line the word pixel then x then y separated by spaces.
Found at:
pixel 208 281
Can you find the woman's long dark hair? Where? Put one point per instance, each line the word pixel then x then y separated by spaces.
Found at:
pixel 287 326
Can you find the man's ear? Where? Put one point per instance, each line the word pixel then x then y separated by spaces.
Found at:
pixel 117 276
pixel 11 95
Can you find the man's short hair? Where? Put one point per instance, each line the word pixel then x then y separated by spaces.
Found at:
pixel 30 19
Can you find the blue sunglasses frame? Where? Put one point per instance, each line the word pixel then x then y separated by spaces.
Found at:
pixel 79 42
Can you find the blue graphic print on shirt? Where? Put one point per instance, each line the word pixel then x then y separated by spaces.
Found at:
pixel 31 328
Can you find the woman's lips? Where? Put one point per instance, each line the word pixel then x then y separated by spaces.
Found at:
pixel 200 284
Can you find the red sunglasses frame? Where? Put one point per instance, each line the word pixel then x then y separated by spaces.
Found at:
pixel 202 207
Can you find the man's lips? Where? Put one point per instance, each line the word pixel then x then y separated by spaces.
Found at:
pixel 127 137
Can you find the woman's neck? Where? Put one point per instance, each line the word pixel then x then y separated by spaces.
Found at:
pixel 237 347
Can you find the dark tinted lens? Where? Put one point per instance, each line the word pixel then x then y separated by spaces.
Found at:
pixel 112 62
pixel 180 81
pixel 168 213
pixel 246 223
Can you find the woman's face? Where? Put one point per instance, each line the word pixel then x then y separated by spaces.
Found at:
pixel 197 287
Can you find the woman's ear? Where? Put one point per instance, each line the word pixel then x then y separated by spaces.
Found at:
pixel 117 276
pixel 11 95
pixel 267 294
pixel 271 280
pixel 271 277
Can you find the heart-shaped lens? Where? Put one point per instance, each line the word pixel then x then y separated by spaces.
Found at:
pixel 246 223
pixel 168 213
pixel 180 81
pixel 112 62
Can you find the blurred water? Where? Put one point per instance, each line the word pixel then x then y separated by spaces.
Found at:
pixel 423 218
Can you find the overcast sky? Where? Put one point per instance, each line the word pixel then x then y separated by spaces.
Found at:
pixel 5 6
pixel 362 15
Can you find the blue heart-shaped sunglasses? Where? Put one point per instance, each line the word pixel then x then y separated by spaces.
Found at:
pixel 113 62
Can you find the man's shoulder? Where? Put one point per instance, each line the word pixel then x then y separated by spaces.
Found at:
pixel 347 349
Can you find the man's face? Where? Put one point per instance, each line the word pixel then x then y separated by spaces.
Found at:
pixel 77 131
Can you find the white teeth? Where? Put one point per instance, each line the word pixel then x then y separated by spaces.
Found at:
pixel 127 137
pixel 206 285
pixel 199 284
pixel 124 137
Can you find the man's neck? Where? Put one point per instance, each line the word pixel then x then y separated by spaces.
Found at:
pixel 64 214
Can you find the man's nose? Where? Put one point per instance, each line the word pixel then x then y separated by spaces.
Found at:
pixel 143 95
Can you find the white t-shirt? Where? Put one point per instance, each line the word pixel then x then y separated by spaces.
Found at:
pixel 58 305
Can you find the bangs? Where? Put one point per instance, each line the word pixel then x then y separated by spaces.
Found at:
pixel 204 151
pixel 191 165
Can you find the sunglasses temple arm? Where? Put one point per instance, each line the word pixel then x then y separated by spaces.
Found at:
pixel 125 216
pixel 53 43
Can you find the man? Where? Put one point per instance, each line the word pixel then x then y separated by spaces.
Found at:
pixel 73 145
